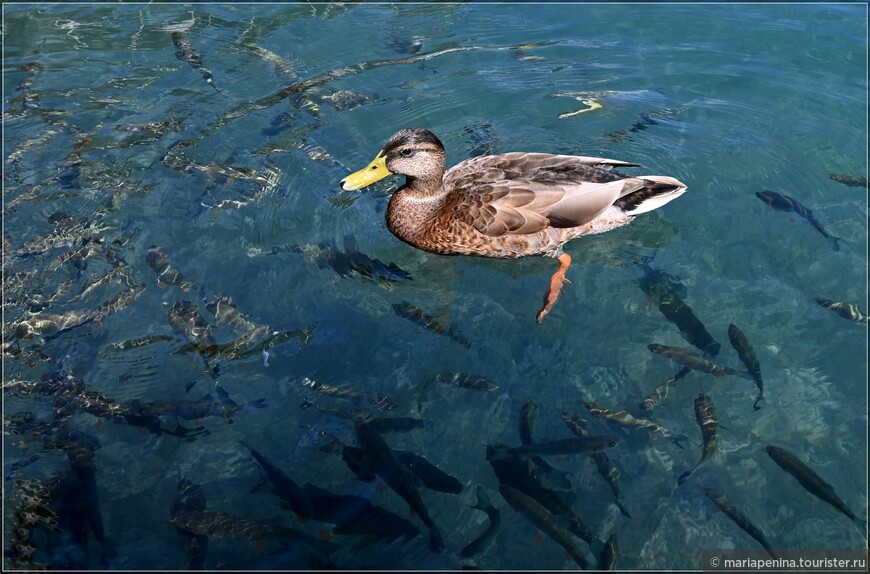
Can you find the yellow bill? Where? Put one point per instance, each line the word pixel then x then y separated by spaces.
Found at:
pixel 373 172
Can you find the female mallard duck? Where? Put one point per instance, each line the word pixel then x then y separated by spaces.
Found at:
pixel 508 205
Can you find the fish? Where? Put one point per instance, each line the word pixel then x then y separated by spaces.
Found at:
pixel 513 471
pixel 284 486
pixel 12 469
pixel 849 179
pixel 78 496
pixel 190 498
pixel 185 318
pixel 603 464
pixel 185 52
pixel 661 391
pixel 429 475
pixel 117 302
pixel 357 515
pixel 544 520
pixel 564 446
pixel 705 414
pixel 382 402
pixel 608 557
pixel 349 263
pixel 747 356
pixel 785 203
pixel 53 324
pixel 811 481
pixel 167 273
pixel 739 518
pixel 28 503
pixel 233 526
pixel 552 477
pixel 624 418
pixel 694 361
pixel 226 408
pixel 378 458
pixel 413 313
pixel 844 310
pixel 466 381
pixel 483 541
pixel 667 292
pixel 225 313
pixel 381 424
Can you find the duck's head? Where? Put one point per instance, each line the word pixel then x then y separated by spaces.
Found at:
pixel 415 153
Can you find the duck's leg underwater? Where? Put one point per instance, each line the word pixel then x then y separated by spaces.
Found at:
pixel 555 285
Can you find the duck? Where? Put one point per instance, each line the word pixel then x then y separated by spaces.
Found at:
pixel 509 205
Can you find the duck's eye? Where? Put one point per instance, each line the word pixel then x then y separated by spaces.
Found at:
pixel 407 152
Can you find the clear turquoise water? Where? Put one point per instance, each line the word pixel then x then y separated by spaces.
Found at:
pixel 730 99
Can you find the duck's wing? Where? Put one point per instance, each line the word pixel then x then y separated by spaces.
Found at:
pixel 521 193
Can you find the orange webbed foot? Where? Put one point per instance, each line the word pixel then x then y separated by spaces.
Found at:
pixel 556 282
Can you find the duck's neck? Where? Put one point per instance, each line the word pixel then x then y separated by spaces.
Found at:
pixel 414 206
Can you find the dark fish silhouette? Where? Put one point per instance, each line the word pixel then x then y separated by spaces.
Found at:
pixel 350 262
pixel 378 458
pixel 78 497
pixel 844 310
pixel 226 313
pixel 382 402
pixel 185 52
pixel 351 514
pixel 667 292
pixel 514 471
pixel 811 481
pixel 357 515
pixel 694 361
pixel 285 486
pixel 544 520
pixel 557 447
pixel 624 418
pixel 705 414
pixel 661 391
pixel 189 410
pixel 190 498
pixel 608 557
pixel 747 356
pixel 603 464
pixel 550 476
pixel 781 202
pixel 415 314
pixel 167 273
pixel 739 518
pixel 486 537
pixel 430 475
pixel 233 526
pixel 849 179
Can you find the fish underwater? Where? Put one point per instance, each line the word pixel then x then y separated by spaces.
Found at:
pixel 486 538
pixel 667 292
pixel 558 447
pixel 193 410
pixel 811 481
pixel 190 498
pixel 747 356
pixel 844 310
pixel 551 477
pixel 849 179
pixel 544 520
pixel 415 314
pixel 694 361
pixel 378 458
pixel 739 518
pixel 661 391
pixel 603 464
pixel 705 414
pixel 624 418
pixel 785 203
pixel 185 52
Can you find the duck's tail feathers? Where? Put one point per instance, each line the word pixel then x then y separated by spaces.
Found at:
pixel 659 190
